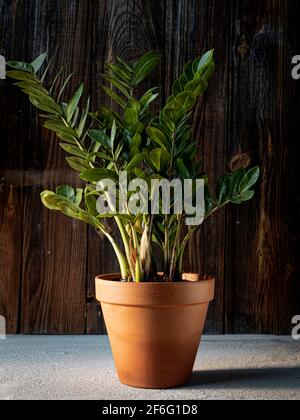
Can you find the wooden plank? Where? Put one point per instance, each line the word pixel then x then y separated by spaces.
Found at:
pixel 13 136
pixel 260 282
pixel 208 248
pixel 124 29
pixel 54 252
pixel 251 108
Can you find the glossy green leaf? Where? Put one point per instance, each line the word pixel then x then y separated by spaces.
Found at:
pixel 132 112
pixel 38 62
pixel 77 163
pixel 45 104
pixel 158 137
pixel 148 97
pixel 223 189
pixel 249 179
pixel 144 66
pixel 19 65
pixel 72 105
pixel 91 203
pixel 205 60
pixel 246 195
pixel 73 150
pixel 115 97
pixel 91 156
pixel 113 134
pixel 137 159
pixel 46 200
pixel 160 158
pixel 94 175
pixel 66 191
pixel 101 137
pixel 83 118
pixel 184 173
pixel 121 86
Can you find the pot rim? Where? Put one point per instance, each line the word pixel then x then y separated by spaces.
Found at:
pixel 111 279
pixel 153 294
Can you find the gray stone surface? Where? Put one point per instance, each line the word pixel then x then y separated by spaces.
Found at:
pixel 81 367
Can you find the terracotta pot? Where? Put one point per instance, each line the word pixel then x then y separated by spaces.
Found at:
pixel 154 328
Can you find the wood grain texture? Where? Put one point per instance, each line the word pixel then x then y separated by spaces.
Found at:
pixel 54 252
pixel 250 112
pixel 261 271
pixel 13 136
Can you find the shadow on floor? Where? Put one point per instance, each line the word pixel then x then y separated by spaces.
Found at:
pixel 247 378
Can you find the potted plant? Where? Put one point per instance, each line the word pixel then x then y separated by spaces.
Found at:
pixel 154 311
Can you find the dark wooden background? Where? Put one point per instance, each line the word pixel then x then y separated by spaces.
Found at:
pixel 251 111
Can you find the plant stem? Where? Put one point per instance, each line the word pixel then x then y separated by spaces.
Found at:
pixel 124 237
pixel 121 257
pixel 174 252
pixel 138 269
pixel 166 247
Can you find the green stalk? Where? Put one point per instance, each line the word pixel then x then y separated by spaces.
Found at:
pixel 120 256
pixel 166 247
pixel 174 251
pixel 138 269
pixel 124 236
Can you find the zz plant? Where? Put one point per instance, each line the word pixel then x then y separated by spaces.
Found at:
pixel 130 137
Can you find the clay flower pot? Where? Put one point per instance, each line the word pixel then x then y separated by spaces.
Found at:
pixel 154 328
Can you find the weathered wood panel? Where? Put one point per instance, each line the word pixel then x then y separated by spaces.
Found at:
pixel 249 112
pixel 14 132
pixel 54 251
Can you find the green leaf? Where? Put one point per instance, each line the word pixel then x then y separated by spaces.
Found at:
pixel 184 173
pixel 223 189
pixel 124 76
pixel 38 62
pixel 101 137
pixel 45 104
pixel 64 86
pixel 132 112
pixel 83 118
pixel 160 158
pixel 91 203
pixel 137 159
pixel 235 180
pixel 73 150
pixel 60 129
pixel 91 156
pixel 46 200
pixel 205 60
pixel 113 134
pixel 78 196
pixel 136 141
pixel 77 163
pixel 72 105
pixel 115 97
pixel 250 179
pixel 246 195
pixel 21 66
pixel 66 191
pixel 158 137
pixel 96 174
pixel 144 66
pixel 235 200
pixel 118 84
pixel 197 87
pixel 88 218
pixel 148 97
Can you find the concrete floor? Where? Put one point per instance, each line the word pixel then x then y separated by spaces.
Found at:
pixel 81 367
